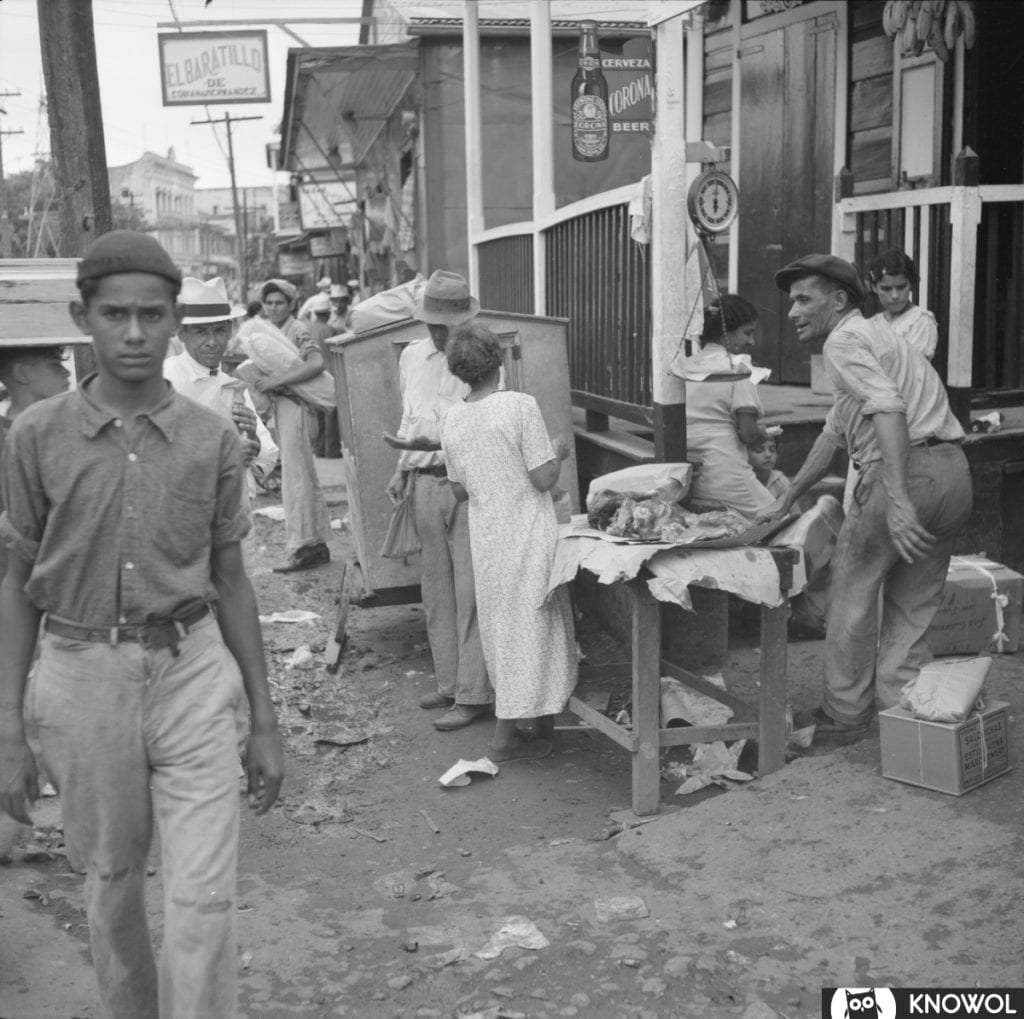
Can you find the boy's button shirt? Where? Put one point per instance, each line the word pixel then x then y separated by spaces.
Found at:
pixel 117 530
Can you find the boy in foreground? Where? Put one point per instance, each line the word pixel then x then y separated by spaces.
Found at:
pixel 123 519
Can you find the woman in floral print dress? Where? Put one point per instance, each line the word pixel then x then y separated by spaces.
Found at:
pixel 499 456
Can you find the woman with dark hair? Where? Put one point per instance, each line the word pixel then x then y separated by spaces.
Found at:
pixel 500 458
pixel 893 276
pixel 723 410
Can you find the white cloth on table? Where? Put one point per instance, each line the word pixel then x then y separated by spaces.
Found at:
pixel 750 573
pixel 528 638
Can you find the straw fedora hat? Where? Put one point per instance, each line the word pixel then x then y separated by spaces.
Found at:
pixel 206 302
pixel 446 300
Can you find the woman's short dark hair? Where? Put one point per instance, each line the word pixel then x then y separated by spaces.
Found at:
pixel 473 353
pixel 724 314
pixel 894 262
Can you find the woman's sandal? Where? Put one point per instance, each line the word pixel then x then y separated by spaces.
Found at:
pixel 521 750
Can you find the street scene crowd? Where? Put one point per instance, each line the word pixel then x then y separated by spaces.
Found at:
pixel 129 638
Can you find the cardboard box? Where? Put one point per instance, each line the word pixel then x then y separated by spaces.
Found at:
pixel 948 758
pixel 966 620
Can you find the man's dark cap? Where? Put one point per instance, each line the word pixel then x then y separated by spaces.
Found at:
pixel 126 251
pixel 837 270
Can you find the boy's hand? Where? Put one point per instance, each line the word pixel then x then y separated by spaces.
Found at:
pixel 19 778
pixel 264 769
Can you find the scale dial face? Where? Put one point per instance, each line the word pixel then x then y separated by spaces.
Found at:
pixel 713 201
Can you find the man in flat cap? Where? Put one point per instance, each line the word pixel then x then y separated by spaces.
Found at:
pixel 442 523
pixel 912 496
pixel 306 523
pixel 123 518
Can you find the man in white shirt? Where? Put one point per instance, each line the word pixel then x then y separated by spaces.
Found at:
pixel 442 523
pixel 206 329
pixel 912 496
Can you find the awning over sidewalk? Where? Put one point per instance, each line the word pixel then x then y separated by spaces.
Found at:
pixel 338 99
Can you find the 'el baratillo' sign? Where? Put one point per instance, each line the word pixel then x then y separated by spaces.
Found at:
pixel 214 67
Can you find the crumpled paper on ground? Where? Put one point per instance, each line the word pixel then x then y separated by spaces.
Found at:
pixel 515 932
pixel 270 512
pixel 679 704
pixel 291 616
pixel 459 773
pixel 714 763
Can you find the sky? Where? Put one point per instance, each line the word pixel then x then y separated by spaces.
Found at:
pixel 134 119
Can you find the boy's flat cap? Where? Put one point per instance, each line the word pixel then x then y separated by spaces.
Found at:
pixel 126 251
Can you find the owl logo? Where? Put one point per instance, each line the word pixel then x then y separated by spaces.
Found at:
pixel 863 1003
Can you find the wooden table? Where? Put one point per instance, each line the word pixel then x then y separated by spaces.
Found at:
pixel 646 737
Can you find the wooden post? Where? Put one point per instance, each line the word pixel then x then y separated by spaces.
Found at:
pixel 542 117
pixel 76 122
pixel 646 698
pixel 474 139
pixel 670 298
pixel 964 215
pixel 844 224
pixel 78 149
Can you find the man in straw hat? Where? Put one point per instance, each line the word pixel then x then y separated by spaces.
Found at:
pixel 913 494
pixel 124 516
pixel 207 326
pixel 306 523
pixel 449 598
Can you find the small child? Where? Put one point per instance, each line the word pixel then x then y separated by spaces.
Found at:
pixel 762 456
pixel 893 275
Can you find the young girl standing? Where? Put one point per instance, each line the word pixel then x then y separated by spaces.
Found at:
pixel 893 276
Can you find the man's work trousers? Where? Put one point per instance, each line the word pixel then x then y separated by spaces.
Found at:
pixel 449 594
pixel 305 512
pixel 130 735
pixel 867 659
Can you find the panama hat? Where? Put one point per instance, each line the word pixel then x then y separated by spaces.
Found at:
pixel 446 300
pixel 206 302
pixel 320 303
pixel 338 290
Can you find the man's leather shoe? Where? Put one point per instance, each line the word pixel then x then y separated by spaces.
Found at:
pixel 436 700
pixel 458 716
pixel 828 730
pixel 305 558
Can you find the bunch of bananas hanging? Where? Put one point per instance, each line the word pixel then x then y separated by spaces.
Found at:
pixel 932 23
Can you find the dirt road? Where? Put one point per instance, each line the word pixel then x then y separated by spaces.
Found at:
pixel 372 891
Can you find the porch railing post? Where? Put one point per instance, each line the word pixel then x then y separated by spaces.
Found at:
pixel 964 216
pixel 844 223
pixel 542 91
pixel 669 296
pixel 474 147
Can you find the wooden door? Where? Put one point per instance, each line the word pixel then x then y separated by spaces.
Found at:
pixel 787 109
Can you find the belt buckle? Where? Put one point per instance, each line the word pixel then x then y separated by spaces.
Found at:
pixel 160 634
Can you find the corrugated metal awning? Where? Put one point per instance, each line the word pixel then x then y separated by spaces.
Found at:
pixel 338 99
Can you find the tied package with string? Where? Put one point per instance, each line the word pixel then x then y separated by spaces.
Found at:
pixel 949 758
pixel 980 611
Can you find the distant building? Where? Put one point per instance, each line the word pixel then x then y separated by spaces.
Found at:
pixel 164 190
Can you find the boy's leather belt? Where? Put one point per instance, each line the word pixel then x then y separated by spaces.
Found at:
pixel 437 471
pixel 152 635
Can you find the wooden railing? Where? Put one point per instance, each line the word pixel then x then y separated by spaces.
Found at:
pixel 598 278
pixel 506 273
pixel 968 243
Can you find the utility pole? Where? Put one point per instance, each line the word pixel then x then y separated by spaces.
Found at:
pixel 243 272
pixel 6 230
pixel 79 152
